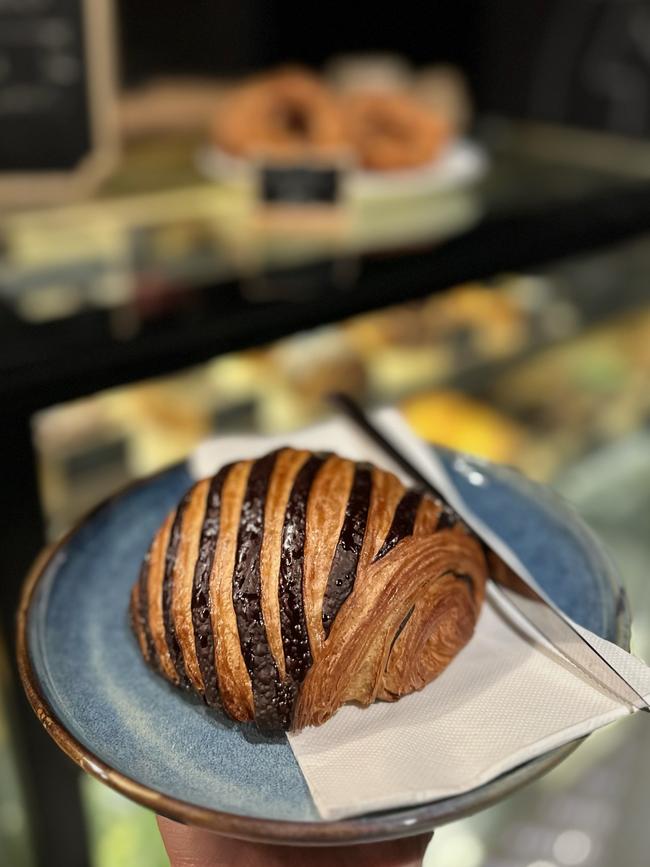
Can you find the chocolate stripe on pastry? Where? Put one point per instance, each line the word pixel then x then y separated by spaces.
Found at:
pixel 295 640
pixel 287 466
pixel 173 646
pixel 403 522
pixel 201 602
pixel 448 518
pixel 271 706
pixel 143 611
pixel 343 571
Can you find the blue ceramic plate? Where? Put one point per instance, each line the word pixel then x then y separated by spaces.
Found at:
pixel 86 679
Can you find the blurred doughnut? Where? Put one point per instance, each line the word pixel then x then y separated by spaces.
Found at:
pixel 284 114
pixel 393 131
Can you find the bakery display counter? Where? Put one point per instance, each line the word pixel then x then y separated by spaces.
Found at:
pixel 505 314
pixel 480 367
pixel 544 371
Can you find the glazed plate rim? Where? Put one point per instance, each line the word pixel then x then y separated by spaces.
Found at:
pixel 394 823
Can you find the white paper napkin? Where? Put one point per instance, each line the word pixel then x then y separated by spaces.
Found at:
pixel 505 699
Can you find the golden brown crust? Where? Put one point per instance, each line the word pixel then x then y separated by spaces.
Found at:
pixel 234 682
pixel 154 594
pixel 393 131
pixel 387 491
pixel 183 578
pixel 136 623
pixel 427 517
pixel 330 582
pixel 352 665
pixel 288 113
pixel 441 623
pixel 325 512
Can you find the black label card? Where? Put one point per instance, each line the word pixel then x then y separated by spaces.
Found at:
pixel 299 184
pixel 44 106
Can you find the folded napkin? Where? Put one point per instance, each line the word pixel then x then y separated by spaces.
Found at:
pixel 505 699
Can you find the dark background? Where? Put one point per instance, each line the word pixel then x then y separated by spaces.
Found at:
pixel 44 119
pixel 578 62
pixel 584 62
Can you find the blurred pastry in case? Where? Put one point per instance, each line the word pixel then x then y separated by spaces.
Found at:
pixel 285 114
pixel 369 71
pixel 443 89
pixel 448 418
pixel 393 131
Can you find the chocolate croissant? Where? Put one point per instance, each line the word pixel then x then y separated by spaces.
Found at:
pixel 281 588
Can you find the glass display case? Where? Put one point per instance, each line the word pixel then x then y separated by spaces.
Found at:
pixel 508 317
pixel 546 371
